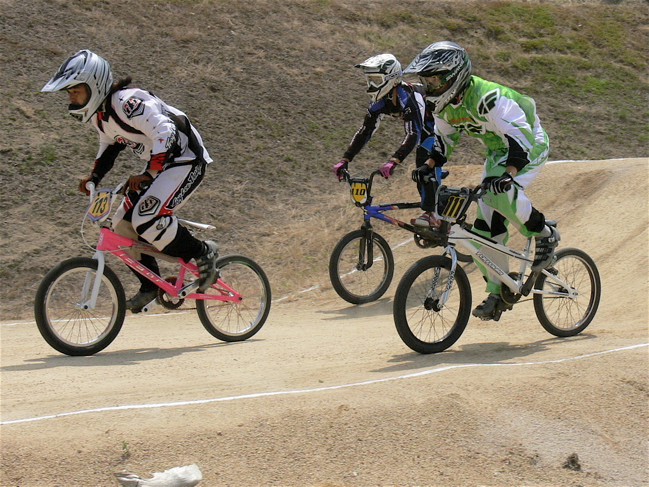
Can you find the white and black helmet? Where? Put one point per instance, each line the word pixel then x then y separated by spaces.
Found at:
pixel 382 73
pixel 84 67
pixel 448 62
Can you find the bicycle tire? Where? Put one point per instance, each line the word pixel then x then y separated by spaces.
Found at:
pixel 63 323
pixel 560 315
pixel 232 321
pixel 354 285
pixel 421 324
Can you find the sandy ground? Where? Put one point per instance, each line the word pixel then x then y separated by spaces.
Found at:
pixel 327 394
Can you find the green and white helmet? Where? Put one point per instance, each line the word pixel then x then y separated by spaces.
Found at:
pixel 450 65
pixel 382 73
pixel 84 67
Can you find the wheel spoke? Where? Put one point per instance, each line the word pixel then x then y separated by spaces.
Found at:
pixel 424 323
pixel 61 318
pixel 571 313
pixel 237 320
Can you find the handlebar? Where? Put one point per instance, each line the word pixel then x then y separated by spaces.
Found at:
pixel 347 177
pixel 479 191
pixel 91 187
pixel 476 193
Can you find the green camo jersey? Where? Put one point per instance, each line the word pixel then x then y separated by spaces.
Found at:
pixel 492 112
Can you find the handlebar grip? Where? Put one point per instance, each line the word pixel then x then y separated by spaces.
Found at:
pixel 146 184
pixel 90 186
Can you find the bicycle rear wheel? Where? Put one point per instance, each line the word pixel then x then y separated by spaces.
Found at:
pixel 61 310
pixel 235 321
pixel 355 279
pixel 424 323
pixel 560 314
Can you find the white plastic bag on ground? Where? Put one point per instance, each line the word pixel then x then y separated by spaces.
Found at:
pixel 187 476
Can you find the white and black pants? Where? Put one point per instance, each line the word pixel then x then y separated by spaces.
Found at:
pixel 149 215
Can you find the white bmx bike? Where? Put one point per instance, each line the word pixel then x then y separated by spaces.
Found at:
pixel 432 304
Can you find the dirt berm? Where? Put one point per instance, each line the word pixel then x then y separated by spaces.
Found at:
pixel 327 395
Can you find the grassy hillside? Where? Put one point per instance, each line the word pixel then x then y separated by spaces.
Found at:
pixel 273 89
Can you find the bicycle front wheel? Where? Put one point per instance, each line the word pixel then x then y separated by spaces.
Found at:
pixel 62 311
pixel 559 312
pixel 353 276
pixel 425 321
pixel 235 321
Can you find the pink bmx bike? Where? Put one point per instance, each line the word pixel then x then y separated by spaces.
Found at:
pixel 80 304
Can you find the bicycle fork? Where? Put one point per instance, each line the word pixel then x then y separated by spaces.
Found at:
pixel 437 303
pixel 366 249
pixel 89 302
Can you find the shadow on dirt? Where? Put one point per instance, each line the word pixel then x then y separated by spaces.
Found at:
pixel 121 357
pixel 380 307
pixel 495 353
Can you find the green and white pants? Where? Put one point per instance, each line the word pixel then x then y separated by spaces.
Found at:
pixel 496 211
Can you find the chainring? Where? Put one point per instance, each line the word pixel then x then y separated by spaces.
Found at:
pixel 506 294
pixel 167 301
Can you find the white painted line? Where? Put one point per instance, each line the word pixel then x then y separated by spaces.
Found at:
pixel 605 160
pixel 317 389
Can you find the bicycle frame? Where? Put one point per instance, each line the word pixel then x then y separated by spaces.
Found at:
pixel 472 242
pixel 119 246
pixel 432 303
pixel 376 211
pixel 468 240
pixel 362 197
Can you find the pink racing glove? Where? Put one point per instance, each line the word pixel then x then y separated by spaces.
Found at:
pixel 339 168
pixel 388 169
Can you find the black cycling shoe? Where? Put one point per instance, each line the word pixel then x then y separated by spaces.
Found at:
pixel 491 308
pixel 207 266
pixel 545 250
pixel 140 300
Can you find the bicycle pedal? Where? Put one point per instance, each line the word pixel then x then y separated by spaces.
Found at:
pixel 502 307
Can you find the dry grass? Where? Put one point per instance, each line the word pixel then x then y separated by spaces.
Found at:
pixel 273 90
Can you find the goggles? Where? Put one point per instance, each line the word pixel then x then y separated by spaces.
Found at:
pixel 375 80
pixel 436 82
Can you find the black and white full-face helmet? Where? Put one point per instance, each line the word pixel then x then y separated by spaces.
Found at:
pixel 382 73
pixel 444 69
pixel 84 67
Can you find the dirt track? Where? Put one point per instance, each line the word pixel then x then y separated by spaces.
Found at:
pixel 327 395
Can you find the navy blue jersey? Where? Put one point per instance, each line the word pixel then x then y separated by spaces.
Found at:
pixel 408 104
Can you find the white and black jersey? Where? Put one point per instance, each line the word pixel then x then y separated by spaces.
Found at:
pixel 156 132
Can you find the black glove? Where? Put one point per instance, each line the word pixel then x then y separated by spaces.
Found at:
pixel 501 184
pixel 419 173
